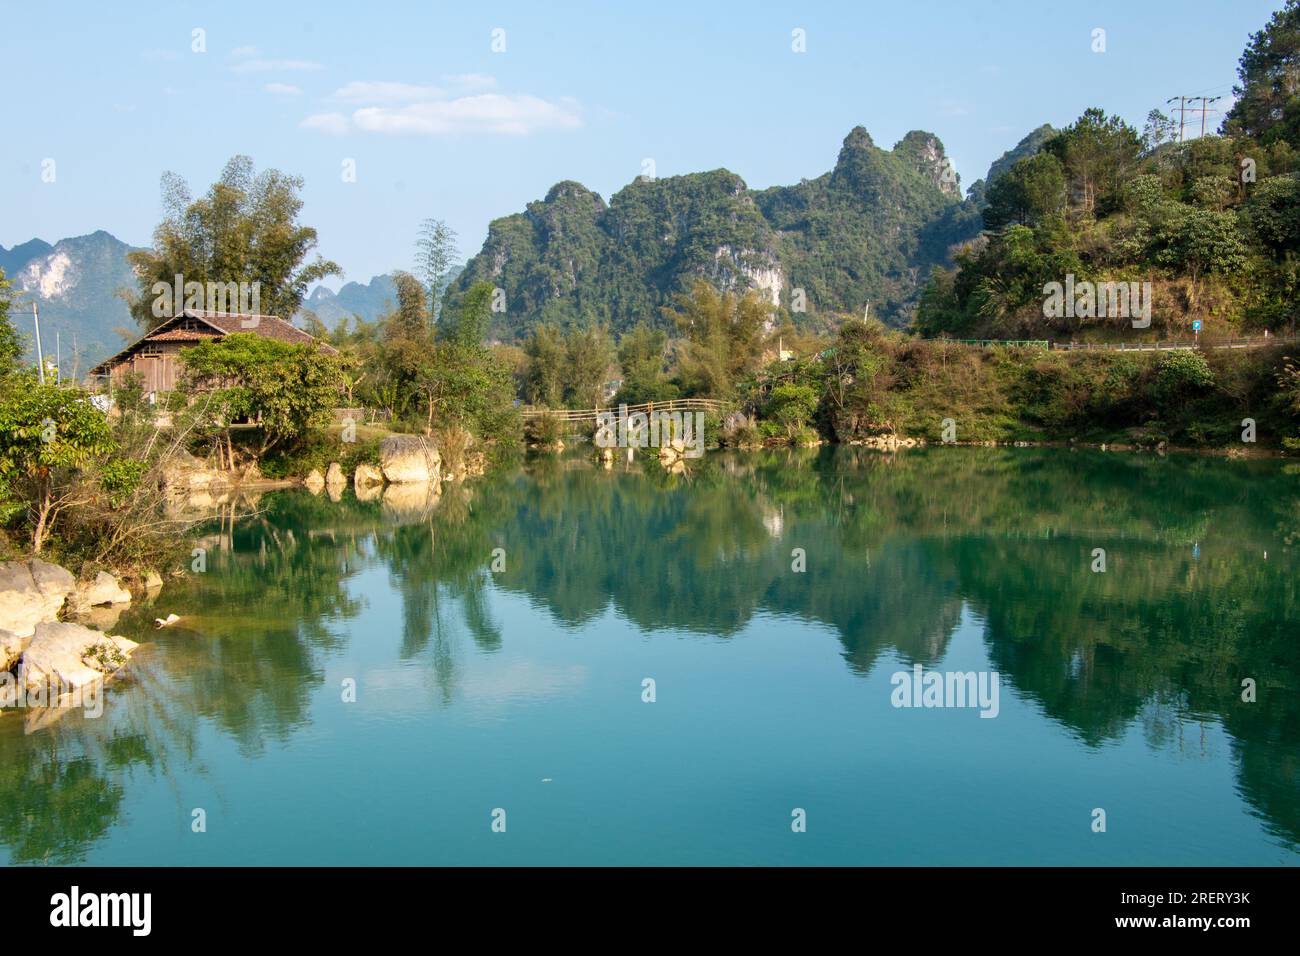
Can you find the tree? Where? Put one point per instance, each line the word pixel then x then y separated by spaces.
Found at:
pixel 1201 241
pixel 641 354
pixel 1099 154
pixel 792 405
pixel 1031 192
pixel 1268 94
pixel 48 435
pixel 1159 128
pixel 1182 374
pixel 11 346
pixel 245 229
pixel 587 357
pixel 407 343
pixel 466 385
pixel 544 379
pixel 284 388
pixel 724 338
pixel 1274 214
pixel 436 259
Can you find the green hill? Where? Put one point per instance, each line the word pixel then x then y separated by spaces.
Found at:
pixel 866 233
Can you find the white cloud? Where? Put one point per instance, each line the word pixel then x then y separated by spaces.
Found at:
pixel 458 107
pixel 274 66
pixel 333 123
pixel 283 89
pixel 511 115
pixel 472 82
pixel 363 91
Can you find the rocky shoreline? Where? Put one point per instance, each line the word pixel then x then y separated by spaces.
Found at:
pixel 55 649
pixel 407 476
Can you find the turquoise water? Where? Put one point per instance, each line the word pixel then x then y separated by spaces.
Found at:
pixel 522 689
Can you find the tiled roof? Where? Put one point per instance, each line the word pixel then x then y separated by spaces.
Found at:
pixel 181 335
pixel 268 326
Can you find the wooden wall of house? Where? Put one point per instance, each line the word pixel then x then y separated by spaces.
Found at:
pixel 159 365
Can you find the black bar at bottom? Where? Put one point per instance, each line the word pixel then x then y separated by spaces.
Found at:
pixel 302 905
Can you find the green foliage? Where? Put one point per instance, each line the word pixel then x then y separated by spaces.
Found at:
pixel 436 260
pixel 244 229
pixel 1267 103
pixel 1098 154
pixel 859 234
pixel 121 476
pixel 878 382
pixel 567 369
pixel 1200 241
pixel 1213 243
pixel 1273 213
pixel 545 378
pixel 792 406
pixel 1182 374
pixel 48 436
pixel 318 449
pixel 723 339
pixel 11 346
pixel 1033 191
pixel 284 388
pixel 642 354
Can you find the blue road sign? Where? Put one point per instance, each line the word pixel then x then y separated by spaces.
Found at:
pixel 1196 325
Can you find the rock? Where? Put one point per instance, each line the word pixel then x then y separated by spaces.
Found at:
pixel 152 580
pixel 167 621
pixel 71 656
pixel 366 476
pixel 31 592
pixel 334 476
pixel 102 618
pixel 733 422
pixel 105 589
pixel 411 500
pixel 314 482
pixel 11 648
pixel 183 472
pixel 409 458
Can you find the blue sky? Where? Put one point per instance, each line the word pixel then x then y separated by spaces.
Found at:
pixel 438 124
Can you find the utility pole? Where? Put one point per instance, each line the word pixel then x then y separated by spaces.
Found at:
pixel 40 359
pixel 1205 107
pixel 1182 113
pixel 58 354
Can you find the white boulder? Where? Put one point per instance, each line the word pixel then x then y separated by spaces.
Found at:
pixel 31 592
pixel 71 656
pixel 104 589
pixel 409 458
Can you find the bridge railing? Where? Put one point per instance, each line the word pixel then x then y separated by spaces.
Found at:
pixel 583 414
pixel 1007 343
pixel 1171 344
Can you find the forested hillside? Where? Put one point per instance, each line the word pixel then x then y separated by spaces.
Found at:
pixel 865 234
pixel 1211 223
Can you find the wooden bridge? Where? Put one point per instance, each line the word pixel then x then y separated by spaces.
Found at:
pixel 1167 345
pixel 649 408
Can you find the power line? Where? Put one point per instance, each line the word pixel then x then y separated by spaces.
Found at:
pixel 1205 107
pixel 1182 113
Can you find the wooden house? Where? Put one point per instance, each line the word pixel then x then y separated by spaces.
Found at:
pixel 156 356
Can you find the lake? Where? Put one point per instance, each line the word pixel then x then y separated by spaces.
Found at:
pixel 624 667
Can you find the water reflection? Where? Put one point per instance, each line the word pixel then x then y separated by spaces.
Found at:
pixel 897 550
